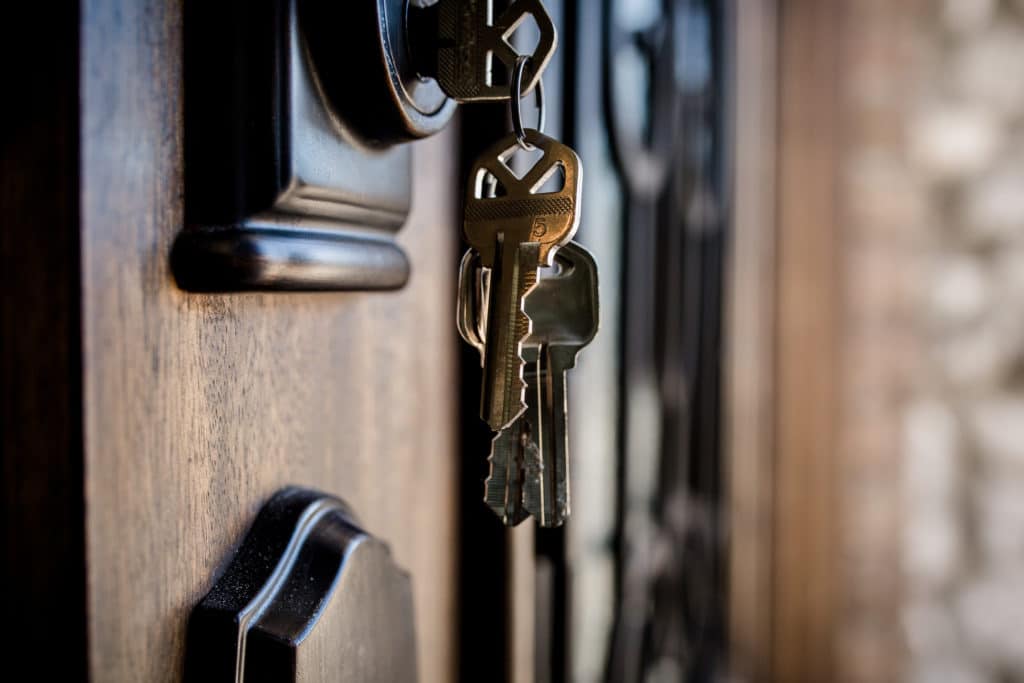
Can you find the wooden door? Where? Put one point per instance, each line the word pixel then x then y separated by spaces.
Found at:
pixel 145 425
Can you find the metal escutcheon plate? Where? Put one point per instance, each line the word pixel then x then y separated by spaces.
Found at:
pixel 368 75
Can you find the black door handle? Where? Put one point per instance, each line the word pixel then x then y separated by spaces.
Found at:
pixel 308 596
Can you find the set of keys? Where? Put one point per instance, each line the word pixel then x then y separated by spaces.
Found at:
pixel 528 298
pixel 530 456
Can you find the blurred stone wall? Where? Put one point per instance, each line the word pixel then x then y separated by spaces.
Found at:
pixel 962 500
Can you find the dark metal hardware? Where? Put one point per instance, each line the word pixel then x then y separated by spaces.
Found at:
pixel 294 175
pixel 227 259
pixel 307 596
pixel 369 76
pixel 672 168
pixel 639 56
pixel 468 45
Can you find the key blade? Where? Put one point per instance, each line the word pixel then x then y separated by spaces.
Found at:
pixel 515 274
pixel 546 469
pixel 503 492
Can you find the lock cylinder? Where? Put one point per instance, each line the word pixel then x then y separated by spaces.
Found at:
pixel 360 56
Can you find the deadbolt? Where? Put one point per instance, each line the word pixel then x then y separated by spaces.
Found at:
pixel 362 62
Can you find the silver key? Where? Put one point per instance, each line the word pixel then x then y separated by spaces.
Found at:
pixel 515 233
pixel 509 464
pixel 566 316
pixel 503 490
pixel 530 459
pixel 472 45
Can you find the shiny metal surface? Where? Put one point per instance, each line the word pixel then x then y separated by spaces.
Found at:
pixel 474 49
pixel 471 304
pixel 364 65
pixel 516 104
pixel 530 458
pixel 236 260
pixel 291 134
pixel 507 475
pixel 515 233
pixel 566 316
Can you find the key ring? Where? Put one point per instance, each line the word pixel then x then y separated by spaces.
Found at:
pixel 516 103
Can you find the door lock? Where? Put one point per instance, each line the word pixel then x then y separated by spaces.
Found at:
pixel 296 114
pixel 296 177
pixel 401 81
pixel 363 62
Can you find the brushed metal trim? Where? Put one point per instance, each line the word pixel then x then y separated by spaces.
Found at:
pixel 246 259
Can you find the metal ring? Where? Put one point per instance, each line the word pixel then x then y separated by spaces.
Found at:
pixel 516 103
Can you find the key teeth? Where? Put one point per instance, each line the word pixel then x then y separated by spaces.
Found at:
pixel 496 485
pixel 533 467
pixel 515 409
pixel 524 326
pixel 519 387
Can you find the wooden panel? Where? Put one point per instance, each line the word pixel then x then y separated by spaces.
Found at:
pixel 750 336
pixel 804 600
pixel 828 480
pixel 198 407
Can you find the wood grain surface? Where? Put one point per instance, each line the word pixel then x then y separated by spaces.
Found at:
pixel 807 391
pixel 198 407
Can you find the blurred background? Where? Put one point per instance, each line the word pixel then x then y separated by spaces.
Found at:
pixel 802 458
pixel 896 397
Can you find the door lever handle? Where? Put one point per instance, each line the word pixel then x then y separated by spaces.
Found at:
pixel 308 596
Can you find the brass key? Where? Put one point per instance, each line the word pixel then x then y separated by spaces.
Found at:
pixel 515 233
pixel 530 459
pixel 503 490
pixel 473 47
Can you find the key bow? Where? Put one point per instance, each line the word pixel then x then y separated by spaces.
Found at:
pixel 468 45
pixel 548 218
